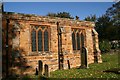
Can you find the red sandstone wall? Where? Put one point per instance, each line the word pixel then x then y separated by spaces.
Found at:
pixel 51 58
pixel 89 45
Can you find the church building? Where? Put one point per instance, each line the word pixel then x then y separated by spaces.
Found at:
pixel 60 43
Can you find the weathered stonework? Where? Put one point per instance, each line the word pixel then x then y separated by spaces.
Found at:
pixel 22 42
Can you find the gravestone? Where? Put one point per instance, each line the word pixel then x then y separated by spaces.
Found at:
pixel 36 73
pixel 40 67
pixel 46 69
pixel 84 57
pixel 68 64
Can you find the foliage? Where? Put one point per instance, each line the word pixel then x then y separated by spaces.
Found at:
pixel 77 18
pixel 61 15
pixel 91 18
pixel 108 25
pixel 52 14
pixel 104 28
pixel 114 13
pixel 105 46
pixel 110 61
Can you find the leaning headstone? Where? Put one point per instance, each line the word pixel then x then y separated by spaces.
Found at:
pixel 40 67
pixel 46 69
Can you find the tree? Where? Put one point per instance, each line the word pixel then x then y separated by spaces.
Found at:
pixel 108 25
pixel 114 13
pixel 61 15
pixel 104 27
pixel 77 18
pixel 52 14
pixel 91 18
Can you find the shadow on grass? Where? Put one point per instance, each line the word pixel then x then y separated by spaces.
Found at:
pixel 113 70
pixel 27 77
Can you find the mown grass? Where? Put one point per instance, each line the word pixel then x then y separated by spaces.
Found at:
pixel 103 70
pixel 110 64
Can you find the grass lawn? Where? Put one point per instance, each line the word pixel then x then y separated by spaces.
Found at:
pixel 107 69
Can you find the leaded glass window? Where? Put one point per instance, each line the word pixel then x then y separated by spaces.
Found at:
pixel 82 40
pixel 33 40
pixel 39 40
pixel 46 44
pixel 73 41
pixel 78 41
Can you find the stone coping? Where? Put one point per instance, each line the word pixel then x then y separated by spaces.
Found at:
pixel 47 19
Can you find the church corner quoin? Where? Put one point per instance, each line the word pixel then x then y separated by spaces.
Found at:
pixel 33 38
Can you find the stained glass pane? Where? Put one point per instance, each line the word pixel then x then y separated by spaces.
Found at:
pixel 46 45
pixel 39 40
pixel 73 41
pixel 33 40
pixel 78 41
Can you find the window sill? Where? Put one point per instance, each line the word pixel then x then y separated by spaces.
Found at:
pixel 40 53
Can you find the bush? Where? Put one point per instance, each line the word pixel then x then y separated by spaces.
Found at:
pixel 105 46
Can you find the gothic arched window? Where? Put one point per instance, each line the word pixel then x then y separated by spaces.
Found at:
pixel 82 39
pixel 73 41
pixel 40 47
pixel 33 40
pixel 40 38
pixel 78 41
pixel 46 41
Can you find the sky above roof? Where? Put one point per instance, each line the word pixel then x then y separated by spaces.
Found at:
pixel 60 0
pixel 81 9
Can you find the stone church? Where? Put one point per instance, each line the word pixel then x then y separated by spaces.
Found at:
pixel 57 42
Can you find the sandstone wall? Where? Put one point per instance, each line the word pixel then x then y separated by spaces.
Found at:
pixel 23 38
pixel 89 45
